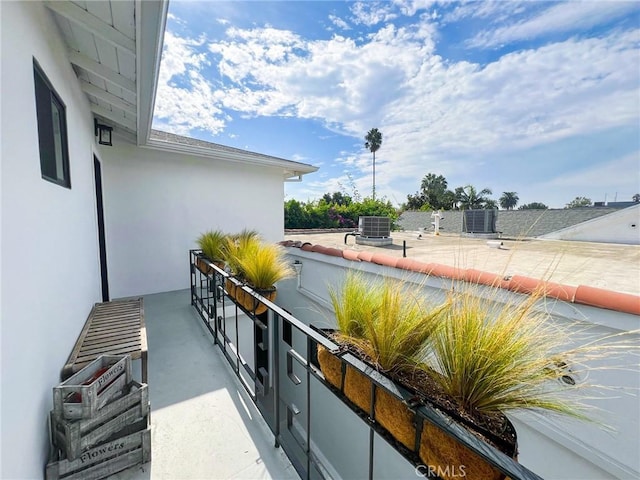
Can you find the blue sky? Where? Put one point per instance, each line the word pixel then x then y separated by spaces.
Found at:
pixel 540 98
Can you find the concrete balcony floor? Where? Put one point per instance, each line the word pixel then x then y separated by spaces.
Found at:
pixel 204 425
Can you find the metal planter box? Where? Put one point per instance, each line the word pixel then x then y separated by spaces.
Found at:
pixel 83 394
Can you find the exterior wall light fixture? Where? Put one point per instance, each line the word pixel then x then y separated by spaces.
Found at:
pixel 103 132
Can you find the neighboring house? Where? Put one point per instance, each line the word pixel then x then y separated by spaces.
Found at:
pixel 613 225
pixel 82 222
pixel 621 226
pixel 615 204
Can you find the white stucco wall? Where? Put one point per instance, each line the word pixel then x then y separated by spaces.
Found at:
pixel 158 203
pixel 50 263
pixel 618 227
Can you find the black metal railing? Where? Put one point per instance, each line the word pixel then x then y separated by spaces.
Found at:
pixel 322 432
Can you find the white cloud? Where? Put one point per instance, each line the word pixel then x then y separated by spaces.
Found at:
pixel 564 17
pixel 278 73
pixel 411 7
pixel 372 13
pixel 524 98
pixel 395 80
pixel 493 11
pixel 436 115
pixel 339 22
pixel 185 99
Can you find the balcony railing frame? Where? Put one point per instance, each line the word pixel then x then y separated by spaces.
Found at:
pixel 208 295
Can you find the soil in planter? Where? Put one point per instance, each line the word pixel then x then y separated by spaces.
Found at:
pixel 436 447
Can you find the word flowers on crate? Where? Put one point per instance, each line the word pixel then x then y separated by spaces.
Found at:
pixel 99 424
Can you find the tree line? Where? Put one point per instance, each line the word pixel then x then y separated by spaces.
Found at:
pixel 341 210
pixel 336 210
pixel 434 194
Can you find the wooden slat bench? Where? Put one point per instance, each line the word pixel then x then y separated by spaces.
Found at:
pixel 113 328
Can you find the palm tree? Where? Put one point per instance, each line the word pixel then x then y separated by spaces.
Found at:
pixel 469 198
pixel 509 200
pixel 373 143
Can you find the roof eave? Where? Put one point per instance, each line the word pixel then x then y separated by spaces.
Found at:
pixel 291 169
pixel 151 19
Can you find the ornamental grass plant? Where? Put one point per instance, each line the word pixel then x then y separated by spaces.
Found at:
pixel 476 357
pixel 258 264
pixel 385 319
pixel 387 323
pixel 494 358
pixel 212 244
pixel 237 246
pixel 262 265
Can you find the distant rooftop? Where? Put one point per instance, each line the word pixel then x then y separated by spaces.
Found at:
pixel 607 266
pixel 513 223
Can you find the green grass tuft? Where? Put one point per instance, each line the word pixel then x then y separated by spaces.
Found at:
pixel 262 265
pixel 212 244
pixel 512 357
pixel 384 318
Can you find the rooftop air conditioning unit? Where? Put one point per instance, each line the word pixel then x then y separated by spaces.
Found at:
pixel 479 221
pixel 374 227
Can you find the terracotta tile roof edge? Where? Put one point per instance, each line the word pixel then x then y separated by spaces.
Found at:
pixel 582 294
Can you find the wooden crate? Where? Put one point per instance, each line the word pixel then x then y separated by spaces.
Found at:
pixel 131 412
pixel 83 394
pixel 103 460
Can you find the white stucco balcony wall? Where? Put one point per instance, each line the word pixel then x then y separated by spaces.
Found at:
pixel 158 203
pixel 50 259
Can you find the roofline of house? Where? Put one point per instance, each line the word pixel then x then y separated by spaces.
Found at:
pixel 149 42
pixel 185 145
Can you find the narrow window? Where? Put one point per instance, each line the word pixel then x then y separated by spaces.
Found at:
pixel 52 131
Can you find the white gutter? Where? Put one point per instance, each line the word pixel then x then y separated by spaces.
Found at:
pixel 291 169
pixel 149 41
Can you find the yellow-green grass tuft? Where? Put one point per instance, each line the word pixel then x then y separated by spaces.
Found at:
pixel 385 319
pixel 236 247
pixel 509 357
pixel 212 244
pixel 262 265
